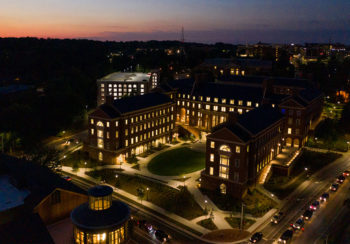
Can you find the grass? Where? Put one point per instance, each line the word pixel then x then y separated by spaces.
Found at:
pixel 282 186
pixel 208 224
pixel 256 203
pixel 136 166
pixel 180 202
pixel 228 235
pixel 236 222
pixel 177 162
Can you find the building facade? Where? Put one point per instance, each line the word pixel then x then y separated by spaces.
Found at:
pixel 101 220
pixel 121 84
pixel 130 126
pixel 237 150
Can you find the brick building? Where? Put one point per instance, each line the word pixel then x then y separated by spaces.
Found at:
pixel 237 150
pixel 129 126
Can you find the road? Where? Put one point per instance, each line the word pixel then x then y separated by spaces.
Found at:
pixel 140 236
pixel 303 196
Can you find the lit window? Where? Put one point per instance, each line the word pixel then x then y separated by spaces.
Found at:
pixel 126 132
pixel 273 105
pixel 232 101
pixel 100 133
pixel 240 111
pixel 215 108
pixel 126 143
pixel 107 135
pixel 256 104
pixel 100 143
pixel 116 124
pixel 92 131
pixel 223 189
pixel 107 124
pixel 289 131
pixel 238 149
pixel 92 121
pixel 211 170
pixel 208 99
pixel 249 103
pixel 223 109
pixel 211 157
pixel 216 100
pixel 100 156
pixel 225 148
pixel 240 102
pixel 99 123
pixel 116 134
pixel 212 144
pixel 224 166
pixel 223 100
pixel 207 107
pixel 126 121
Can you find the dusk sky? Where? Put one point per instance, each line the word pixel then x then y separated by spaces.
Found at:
pixel 209 21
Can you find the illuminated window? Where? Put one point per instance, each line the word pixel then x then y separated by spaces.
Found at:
pixel 273 105
pixel 249 103
pixel 126 143
pixel 107 124
pixel 216 100
pixel 207 107
pixel 126 132
pixel 211 170
pixel 100 143
pixel 212 144
pixel 126 121
pixel 240 102
pixel 223 100
pixel 223 189
pixel 100 133
pixel 99 123
pixel 208 99
pixel 116 134
pixel 107 135
pixel 211 157
pixel 100 156
pixel 256 104
pixel 238 149
pixel 116 124
pixel 215 108
pixel 92 131
pixel 225 148
pixel 289 131
pixel 223 109
pixel 92 121
pixel 240 111
pixel 232 101
pixel 224 166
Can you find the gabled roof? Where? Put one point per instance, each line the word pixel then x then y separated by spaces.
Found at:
pixel 252 123
pixel 230 91
pixel 39 180
pixel 129 104
pixel 105 111
pixel 259 119
pixel 309 94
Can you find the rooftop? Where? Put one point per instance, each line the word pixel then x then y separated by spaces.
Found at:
pixel 88 219
pixel 126 77
pixel 100 191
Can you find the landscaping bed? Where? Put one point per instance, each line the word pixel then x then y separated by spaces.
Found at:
pixel 229 235
pixel 177 162
pixel 256 203
pixel 208 224
pixel 236 222
pixel 78 158
pixel 282 186
pixel 180 202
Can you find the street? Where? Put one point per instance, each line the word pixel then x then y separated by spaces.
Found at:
pixel 303 196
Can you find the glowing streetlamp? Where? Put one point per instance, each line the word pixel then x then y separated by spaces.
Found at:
pixel 147 193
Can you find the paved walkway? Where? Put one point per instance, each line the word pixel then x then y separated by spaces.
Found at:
pixel 191 183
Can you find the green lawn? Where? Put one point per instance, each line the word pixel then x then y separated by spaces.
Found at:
pixel 180 202
pixel 208 224
pixel 177 162
pixel 282 186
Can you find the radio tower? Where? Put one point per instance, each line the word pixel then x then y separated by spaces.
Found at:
pixel 182 40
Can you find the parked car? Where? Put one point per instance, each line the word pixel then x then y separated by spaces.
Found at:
pixel 299 224
pixel 334 187
pixel 144 225
pixel 286 237
pixel 256 237
pixel 162 236
pixel 346 173
pixel 315 205
pixel 324 197
pixel 340 179
pixel 67 178
pixel 277 218
pixel 307 214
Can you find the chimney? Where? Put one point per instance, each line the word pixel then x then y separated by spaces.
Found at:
pixel 109 100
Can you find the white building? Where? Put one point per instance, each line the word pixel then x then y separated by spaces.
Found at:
pixel 120 84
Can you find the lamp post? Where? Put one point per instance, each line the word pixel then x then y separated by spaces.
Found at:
pixel 348 144
pixel 147 193
pixel 205 205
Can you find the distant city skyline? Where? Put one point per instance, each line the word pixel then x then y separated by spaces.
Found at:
pixel 206 21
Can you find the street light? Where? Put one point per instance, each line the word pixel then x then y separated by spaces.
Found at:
pixel 348 144
pixel 205 205
pixel 147 193
pixel 306 169
pixel 64 156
